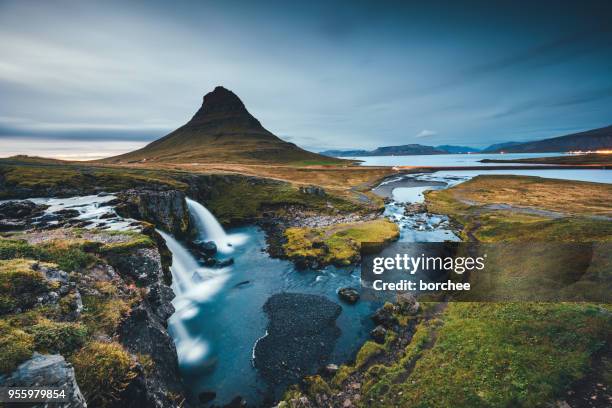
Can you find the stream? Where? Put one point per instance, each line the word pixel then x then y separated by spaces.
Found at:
pixel 219 316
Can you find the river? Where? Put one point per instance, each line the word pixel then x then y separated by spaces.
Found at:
pixel 220 318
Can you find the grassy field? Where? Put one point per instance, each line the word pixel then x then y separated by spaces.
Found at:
pixel 510 354
pixel 338 244
pixel 518 208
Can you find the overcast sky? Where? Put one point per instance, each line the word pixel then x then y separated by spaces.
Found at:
pixel 85 79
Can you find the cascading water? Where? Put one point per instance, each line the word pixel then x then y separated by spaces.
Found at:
pixel 194 284
pixel 210 229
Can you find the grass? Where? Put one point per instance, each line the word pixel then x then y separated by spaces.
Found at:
pixel 238 200
pixel 69 255
pixel 16 346
pixel 533 202
pixel 502 354
pixel 103 371
pixel 497 355
pixel 33 179
pixel 338 244
pixel 19 285
pixel 26 326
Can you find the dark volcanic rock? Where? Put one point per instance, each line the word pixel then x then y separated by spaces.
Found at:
pixel 207 396
pixel 349 295
pixel 237 402
pixel 378 334
pixel 301 336
pixel 384 317
pixel 207 248
pixel 166 209
pixel 44 370
pixel 18 215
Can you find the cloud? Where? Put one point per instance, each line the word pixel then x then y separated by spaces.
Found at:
pixel 426 133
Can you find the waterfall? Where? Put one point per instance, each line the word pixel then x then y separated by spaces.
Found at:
pixel 183 264
pixel 192 284
pixel 210 229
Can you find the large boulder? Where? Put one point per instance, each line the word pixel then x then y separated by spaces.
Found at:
pixel 407 303
pixel 19 214
pixel 349 295
pixel 166 209
pixel 45 370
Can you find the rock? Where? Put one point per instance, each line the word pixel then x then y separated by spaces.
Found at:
pixel 143 332
pixel 208 248
pixel 165 209
pixel 407 303
pixel 209 261
pixel 331 369
pixel 142 265
pixel 20 209
pixel 18 215
pixel 378 334
pixel 242 284
pixel 302 333
pixel 349 295
pixel 206 396
pixel 107 215
pixel 66 214
pixel 237 402
pixel 384 317
pixel 225 262
pixel 45 370
pixel 313 190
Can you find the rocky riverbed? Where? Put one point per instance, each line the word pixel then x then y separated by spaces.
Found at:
pixel 300 336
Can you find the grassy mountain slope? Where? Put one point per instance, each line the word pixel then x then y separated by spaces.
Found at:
pixel 222 130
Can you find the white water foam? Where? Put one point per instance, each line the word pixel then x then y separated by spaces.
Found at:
pixel 211 230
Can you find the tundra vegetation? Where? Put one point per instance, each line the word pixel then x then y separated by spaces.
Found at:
pixel 57 296
pixel 527 354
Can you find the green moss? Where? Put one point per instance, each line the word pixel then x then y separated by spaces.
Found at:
pixel 367 352
pixel 135 241
pixel 495 355
pixel 315 385
pixel 338 244
pixel 103 315
pixel 16 346
pixel 57 337
pixel 68 254
pixel 103 371
pixel 228 203
pixel 41 178
pixel 344 371
pixel 19 285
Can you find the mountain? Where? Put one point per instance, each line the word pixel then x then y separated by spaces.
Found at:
pixel 500 146
pixel 457 149
pixel 222 130
pixel 404 150
pixel 345 153
pixel 596 139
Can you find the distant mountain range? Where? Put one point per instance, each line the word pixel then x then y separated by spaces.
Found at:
pixel 596 139
pixel 404 150
pixel 221 131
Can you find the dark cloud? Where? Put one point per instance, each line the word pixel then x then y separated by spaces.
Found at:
pixel 354 74
pixel 132 135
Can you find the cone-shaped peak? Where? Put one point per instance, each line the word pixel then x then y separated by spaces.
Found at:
pixel 219 102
